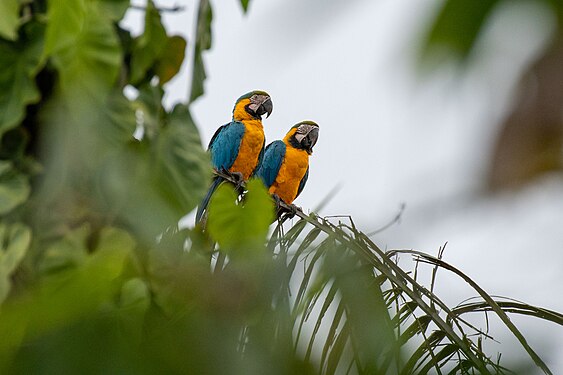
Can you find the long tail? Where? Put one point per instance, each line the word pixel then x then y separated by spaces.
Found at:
pixel 203 205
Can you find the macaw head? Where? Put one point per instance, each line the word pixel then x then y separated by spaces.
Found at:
pixel 252 106
pixel 303 136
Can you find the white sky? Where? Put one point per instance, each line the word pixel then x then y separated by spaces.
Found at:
pixel 389 135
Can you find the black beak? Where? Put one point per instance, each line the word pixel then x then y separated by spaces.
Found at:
pixel 266 107
pixel 310 140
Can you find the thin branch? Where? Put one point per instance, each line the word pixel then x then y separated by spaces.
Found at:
pixel 173 9
pixel 393 221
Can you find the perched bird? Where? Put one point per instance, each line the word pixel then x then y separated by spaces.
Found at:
pixel 285 167
pixel 237 148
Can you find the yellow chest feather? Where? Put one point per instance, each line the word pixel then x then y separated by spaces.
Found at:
pixel 291 173
pixel 251 144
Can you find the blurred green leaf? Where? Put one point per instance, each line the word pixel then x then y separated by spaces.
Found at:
pixel 70 251
pixel 134 296
pixel 149 102
pixel 458 25
pixel 202 43
pixel 171 60
pixel 155 182
pixel 65 297
pixel 65 21
pixel 133 305
pixel 88 64
pixel 115 9
pixel 366 310
pixel 14 242
pixel 128 188
pixel 182 168
pixel 240 226
pixel 149 46
pixel 244 4
pixel 118 120
pixel 9 19
pixel 14 187
pixel 18 66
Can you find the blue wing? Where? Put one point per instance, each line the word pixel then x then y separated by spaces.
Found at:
pixel 270 166
pixel 225 145
pixel 260 158
pixel 302 183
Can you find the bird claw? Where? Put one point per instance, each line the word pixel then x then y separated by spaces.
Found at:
pixel 236 178
pixel 287 210
pixel 293 210
pixel 277 201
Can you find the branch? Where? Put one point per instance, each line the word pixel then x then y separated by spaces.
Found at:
pixel 173 9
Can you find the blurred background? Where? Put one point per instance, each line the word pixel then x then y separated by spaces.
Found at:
pixel 454 111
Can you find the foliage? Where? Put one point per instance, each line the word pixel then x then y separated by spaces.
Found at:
pixel 530 141
pixel 95 275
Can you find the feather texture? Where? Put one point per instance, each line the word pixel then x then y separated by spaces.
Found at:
pixel 225 145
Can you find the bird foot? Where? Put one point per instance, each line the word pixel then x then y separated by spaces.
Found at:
pixel 287 210
pixel 237 179
pixel 237 176
pixel 292 211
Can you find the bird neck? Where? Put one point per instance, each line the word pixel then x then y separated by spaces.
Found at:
pixel 240 113
pixel 256 123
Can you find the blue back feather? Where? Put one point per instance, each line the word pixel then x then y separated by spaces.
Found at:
pixel 225 145
pixel 270 166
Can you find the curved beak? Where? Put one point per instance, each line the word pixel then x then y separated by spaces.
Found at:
pixel 310 140
pixel 266 107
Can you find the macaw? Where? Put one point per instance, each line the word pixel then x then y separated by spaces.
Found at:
pixel 285 168
pixel 237 148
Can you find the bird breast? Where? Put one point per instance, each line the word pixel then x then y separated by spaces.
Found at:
pixel 250 147
pixel 292 170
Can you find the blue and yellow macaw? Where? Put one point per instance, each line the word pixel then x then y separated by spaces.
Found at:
pixel 237 148
pixel 285 168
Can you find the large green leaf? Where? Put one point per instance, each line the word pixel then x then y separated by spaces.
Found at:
pixel 115 9
pixel 153 183
pixel 241 226
pixel 458 25
pixel 117 123
pixel 88 65
pixel 182 166
pixel 149 46
pixel 14 187
pixel 18 66
pixel 65 21
pixel 149 103
pixel 171 60
pixel 9 18
pixel 203 42
pixel 14 241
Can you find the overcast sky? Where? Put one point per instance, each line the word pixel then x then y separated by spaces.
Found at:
pixel 390 135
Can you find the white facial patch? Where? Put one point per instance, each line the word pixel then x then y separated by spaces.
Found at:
pixel 302 131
